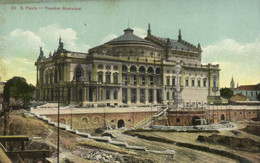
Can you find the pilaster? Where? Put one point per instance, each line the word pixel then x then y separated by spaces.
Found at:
pixel 128 96
pixel 146 96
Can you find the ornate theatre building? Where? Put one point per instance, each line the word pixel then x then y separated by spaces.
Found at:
pixel 128 71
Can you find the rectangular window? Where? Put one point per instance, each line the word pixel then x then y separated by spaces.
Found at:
pixel 107 94
pixel 168 81
pixel 142 95
pixel 100 78
pixel 198 83
pixel 187 82
pixel 168 95
pixel 124 95
pixel 133 95
pixel 151 80
pixel 193 83
pixel 204 83
pixel 134 79
pixel 115 95
pixel 150 95
pixel 108 78
pixel 115 79
pixel 173 95
pixel 214 83
pixel 142 79
pixel 173 81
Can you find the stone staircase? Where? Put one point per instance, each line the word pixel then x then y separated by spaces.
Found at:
pixel 148 121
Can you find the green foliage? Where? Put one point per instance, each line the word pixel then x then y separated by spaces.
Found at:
pixel 258 97
pixel 18 89
pixel 226 93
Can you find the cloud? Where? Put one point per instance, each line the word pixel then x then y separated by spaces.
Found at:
pixel 51 34
pixel 109 37
pixel 20 48
pixel 140 32
pixel 234 58
pixel 21 42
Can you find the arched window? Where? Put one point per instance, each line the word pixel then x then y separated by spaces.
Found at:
pixel 84 120
pixel 158 71
pixel 141 69
pixel 150 70
pixel 78 73
pixel 132 69
pixel 124 68
pixel 96 120
pixel 204 82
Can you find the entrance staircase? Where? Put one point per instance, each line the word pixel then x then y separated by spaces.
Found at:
pixel 161 112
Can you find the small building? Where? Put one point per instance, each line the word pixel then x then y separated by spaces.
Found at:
pixel 249 91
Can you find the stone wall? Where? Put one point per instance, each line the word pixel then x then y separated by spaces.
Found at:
pixel 232 113
pixel 92 121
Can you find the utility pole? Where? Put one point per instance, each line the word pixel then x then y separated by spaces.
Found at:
pixel 58 94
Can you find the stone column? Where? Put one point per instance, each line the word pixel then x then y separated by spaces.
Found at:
pixel 99 94
pixel 146 79
pixel 128 96
pixel 154 80
pixel 112 94
pixel 104 95
pixel 154 96
pixel 71 94
pixel 66 95
pixel 128 77
pixel 87 94
pixel 84 94
pixel 146 96
pixel 119 94
pixel 178 99
pixel 137 78
pixel 138 96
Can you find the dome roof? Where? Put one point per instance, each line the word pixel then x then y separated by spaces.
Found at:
pixel 128 36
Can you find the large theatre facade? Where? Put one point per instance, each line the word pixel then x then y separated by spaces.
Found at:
pixel 128 70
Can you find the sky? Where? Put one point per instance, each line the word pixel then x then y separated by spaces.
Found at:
pixel 228 31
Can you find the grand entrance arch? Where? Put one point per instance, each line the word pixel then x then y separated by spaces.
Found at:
pixel 222 117
pixel 195 121
pixel 120 123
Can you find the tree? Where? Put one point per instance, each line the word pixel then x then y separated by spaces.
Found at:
pixel 258 97
pixel 18 92
pixel 226 93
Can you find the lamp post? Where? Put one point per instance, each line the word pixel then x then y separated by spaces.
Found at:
pixel 58 100
pixel 58 141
